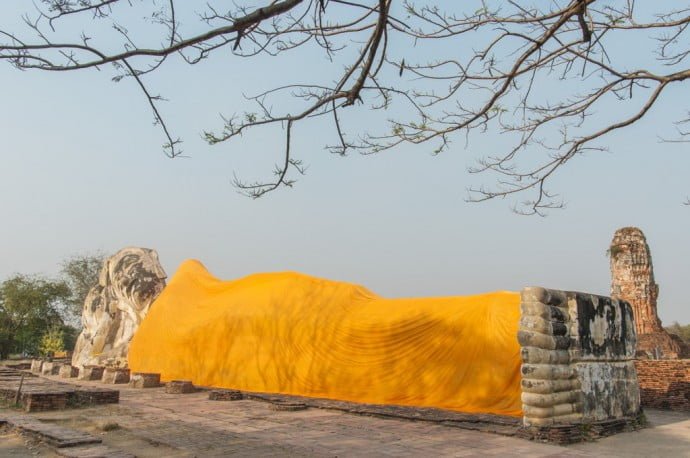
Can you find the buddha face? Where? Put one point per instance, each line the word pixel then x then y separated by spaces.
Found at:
pixel 136 278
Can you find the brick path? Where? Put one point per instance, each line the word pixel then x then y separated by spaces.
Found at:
pixel 200 427
pixel 195 426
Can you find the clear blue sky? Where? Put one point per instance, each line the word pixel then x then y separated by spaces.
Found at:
pixel 81 169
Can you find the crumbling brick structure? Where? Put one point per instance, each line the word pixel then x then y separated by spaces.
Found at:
pixel 632 280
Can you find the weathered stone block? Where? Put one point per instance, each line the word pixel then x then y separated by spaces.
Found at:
pixel 115 375
pixel 51 368
pixel 91 373
pixel 144 380
pixel 605 328
pixel 68 371
pixel 609 390
pixel 225 395
pixel 36 366
pixel 179 387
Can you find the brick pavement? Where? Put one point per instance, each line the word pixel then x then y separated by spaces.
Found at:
pixel 195 426
pixel 201 427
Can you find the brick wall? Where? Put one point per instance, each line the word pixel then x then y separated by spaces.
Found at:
pixel 664 384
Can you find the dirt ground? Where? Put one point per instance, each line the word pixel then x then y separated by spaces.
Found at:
pixel 13 444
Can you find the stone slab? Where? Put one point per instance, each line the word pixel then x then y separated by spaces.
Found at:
pixel 55 435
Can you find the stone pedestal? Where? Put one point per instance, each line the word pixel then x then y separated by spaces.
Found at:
pixel 91 373
pixel 179 387
pixel 68 371
pixel 115 375
pixel 36 365
pixel 50 368
pixel 144 380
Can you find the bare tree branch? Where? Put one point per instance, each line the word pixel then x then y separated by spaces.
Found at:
pixel 541 75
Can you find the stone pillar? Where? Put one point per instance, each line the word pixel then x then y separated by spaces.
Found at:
pixel 577 352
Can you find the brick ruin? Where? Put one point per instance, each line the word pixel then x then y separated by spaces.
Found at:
pixel 664 384
pixel 632 280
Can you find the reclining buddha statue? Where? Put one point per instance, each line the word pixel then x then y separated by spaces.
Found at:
pixel 295 334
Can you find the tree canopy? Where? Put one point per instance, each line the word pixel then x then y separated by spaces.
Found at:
pixel 42 315
pixel 29 307
pixel 542 74
pixel 681 331
pixel 80 273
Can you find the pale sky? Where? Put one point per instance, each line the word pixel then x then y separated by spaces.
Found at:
pixel 81 169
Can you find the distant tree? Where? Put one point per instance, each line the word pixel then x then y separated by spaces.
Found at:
pixel 80 272
pixel 681 331
pixel 52 341
pixel 29 307
pixel 541 74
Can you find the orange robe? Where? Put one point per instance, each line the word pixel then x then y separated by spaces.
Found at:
pixel 295 334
